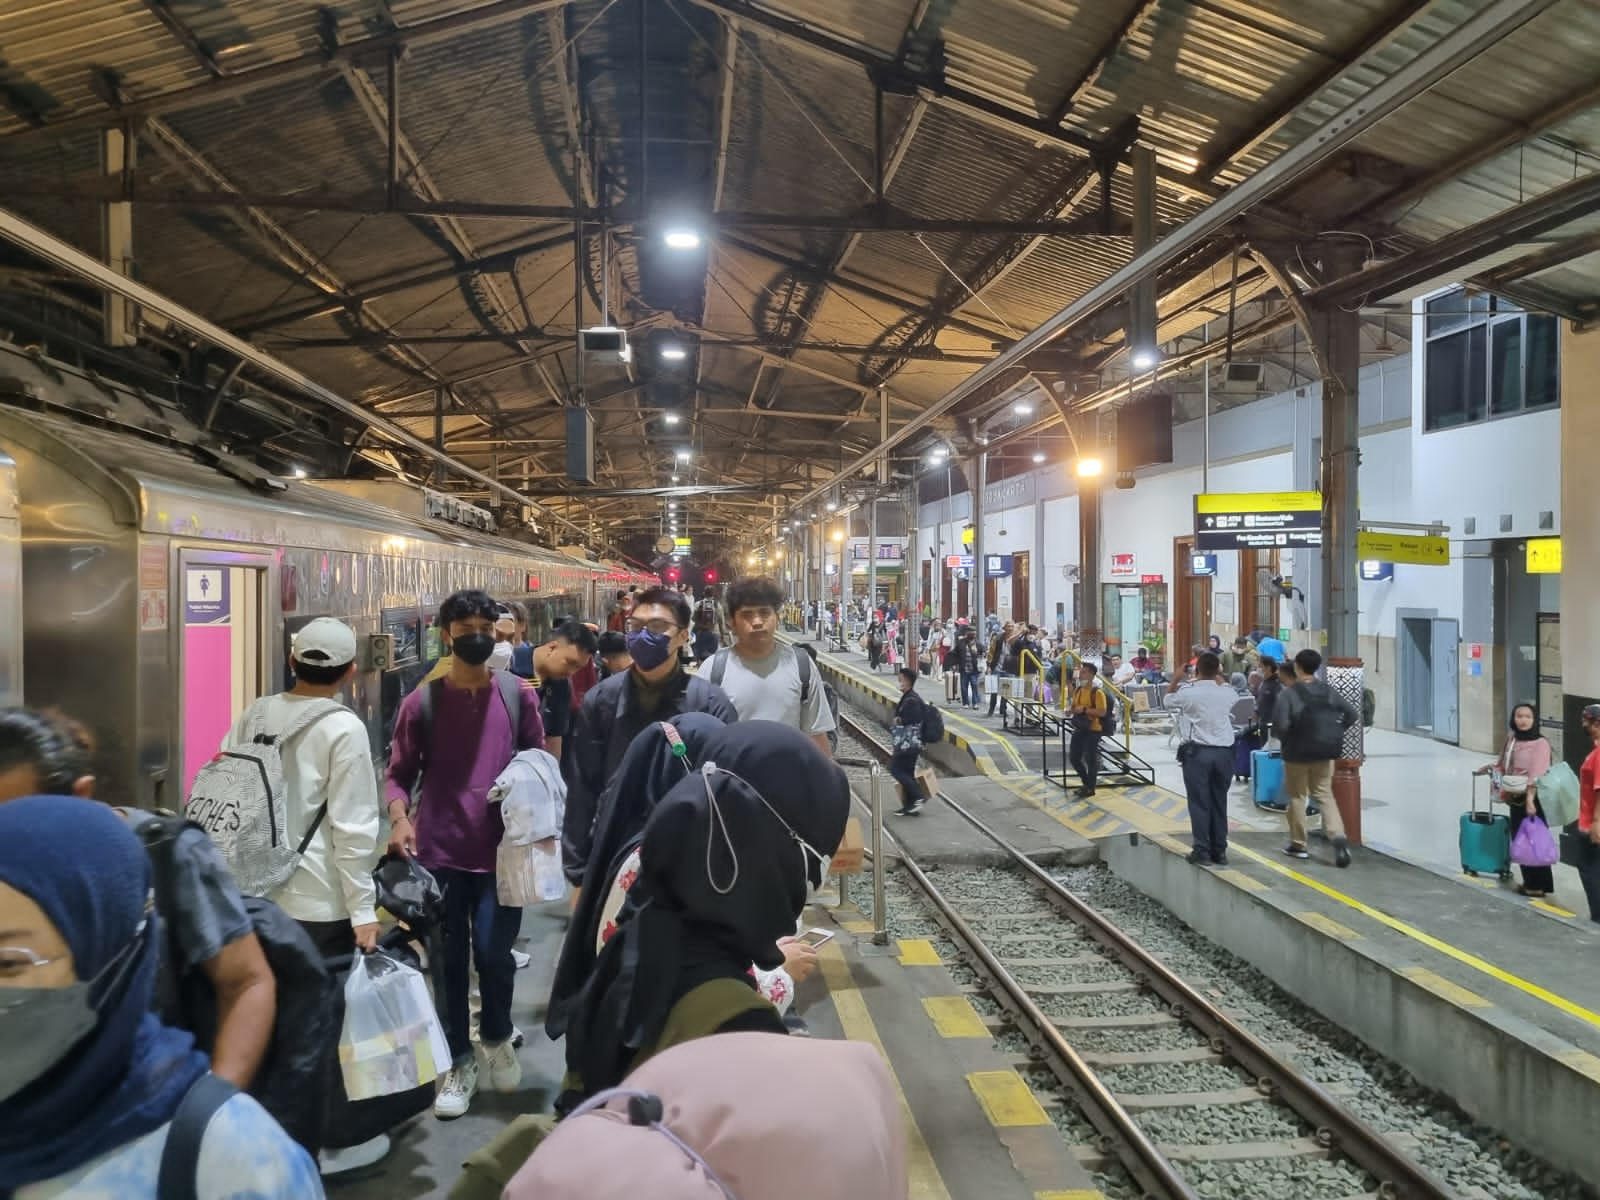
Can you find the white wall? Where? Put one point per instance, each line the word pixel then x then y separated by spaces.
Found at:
pixel 1060 519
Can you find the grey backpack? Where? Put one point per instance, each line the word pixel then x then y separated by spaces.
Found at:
pixel 238 799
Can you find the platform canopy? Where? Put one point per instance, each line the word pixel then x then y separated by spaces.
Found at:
pixel 805 213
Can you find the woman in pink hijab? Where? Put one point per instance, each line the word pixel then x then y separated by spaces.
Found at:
pixel 703 1121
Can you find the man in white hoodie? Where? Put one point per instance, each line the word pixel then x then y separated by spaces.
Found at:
pixel 330 792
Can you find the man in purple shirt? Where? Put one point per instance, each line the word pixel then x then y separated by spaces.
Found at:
pixel 456 734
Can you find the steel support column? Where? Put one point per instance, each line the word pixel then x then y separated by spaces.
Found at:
pixel 978 483
pixel 116 239
pixel 1335 335
pixel 1091 638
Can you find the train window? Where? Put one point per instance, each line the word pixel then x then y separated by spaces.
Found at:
pixel 224 648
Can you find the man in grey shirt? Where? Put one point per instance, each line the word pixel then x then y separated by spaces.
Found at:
pixel 765 680
pixel 1204 711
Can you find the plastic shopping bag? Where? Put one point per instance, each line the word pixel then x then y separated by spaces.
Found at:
pixel 1558 795
pixel 392 1040
pixel 1534 846
pixel 528 874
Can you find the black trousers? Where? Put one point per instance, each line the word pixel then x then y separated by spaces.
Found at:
pixel 336 942
pixel 1588 865
pixel 903 766
pixel 1084 754
pixel 1207 774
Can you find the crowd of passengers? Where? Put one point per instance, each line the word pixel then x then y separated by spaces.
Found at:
pixel 165 1034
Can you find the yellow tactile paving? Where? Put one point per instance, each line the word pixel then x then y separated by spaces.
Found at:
pixel 1006 1100
pixel 954 1017
pixel 1444 988
pixel 918 952
pixel 1326 924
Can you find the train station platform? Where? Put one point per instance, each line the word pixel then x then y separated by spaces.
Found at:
pixel 973 1127
pixel 1483 994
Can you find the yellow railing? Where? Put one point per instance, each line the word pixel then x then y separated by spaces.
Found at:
pixel 1069 664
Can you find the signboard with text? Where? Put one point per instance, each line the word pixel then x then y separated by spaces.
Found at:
pixel 1544 556
pixel 958 562
pixel 996 566
pixel 1257 520
pixel 1202 564
pixel 1122 566
pixel 1375 570
pixel 1404 548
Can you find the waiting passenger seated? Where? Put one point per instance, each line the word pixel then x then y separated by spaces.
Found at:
pixel 726 860
pixel 93 1088
pixel 717 1126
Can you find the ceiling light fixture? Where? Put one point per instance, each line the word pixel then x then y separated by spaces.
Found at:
pixel 674 353
pixel 1089 468
pixel 1038 456
pixel 1143 359
pixel 671 418
pixel 683 455
pixel 299 472
pixel 1022 408
pixel 682 239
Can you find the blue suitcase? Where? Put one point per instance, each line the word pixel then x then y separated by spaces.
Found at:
pixel 1485 840
pixel 1266 781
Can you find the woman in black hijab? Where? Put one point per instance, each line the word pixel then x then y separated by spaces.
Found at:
pixel 727 858
pixel 660 757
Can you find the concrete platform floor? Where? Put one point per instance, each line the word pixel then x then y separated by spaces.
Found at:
pixel 963 1142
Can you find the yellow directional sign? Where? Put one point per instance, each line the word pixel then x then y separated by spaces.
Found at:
pixel 1257 502
pixel 1404 548
pixel 1544 556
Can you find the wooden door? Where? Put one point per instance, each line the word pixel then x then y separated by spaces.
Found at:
pixel 1191 607
pixel 991 593
pixel 1258 599
pixel 1021 588
pixel 964 598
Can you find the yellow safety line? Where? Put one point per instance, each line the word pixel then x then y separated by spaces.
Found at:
pixel 1433 943
pixel 918 952
pixel 1553 909
pixel 954 1017
pixel 858 1026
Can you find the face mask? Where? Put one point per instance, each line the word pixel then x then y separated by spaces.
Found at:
pixel 649 650
pixel 40 1026
pixel 807 851
pixel 473 649
pixel 500 656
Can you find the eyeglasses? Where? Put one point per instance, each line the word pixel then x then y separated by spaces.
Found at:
pixel 660 625
pixel 16 959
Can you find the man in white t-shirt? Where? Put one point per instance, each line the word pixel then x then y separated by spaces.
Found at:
pixel 331 788
pixel 765 680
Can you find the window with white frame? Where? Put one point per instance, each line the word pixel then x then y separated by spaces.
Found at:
pixel 1485 357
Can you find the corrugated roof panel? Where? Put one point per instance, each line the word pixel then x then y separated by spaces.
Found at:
pixel 49 44
pixel 879 24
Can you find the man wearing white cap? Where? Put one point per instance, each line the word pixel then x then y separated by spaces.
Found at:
pixel 330 791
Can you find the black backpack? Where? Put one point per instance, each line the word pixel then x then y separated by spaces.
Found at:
pixel 302 1028
pixel 1108 723
pixel 932 724
pixel 1316 722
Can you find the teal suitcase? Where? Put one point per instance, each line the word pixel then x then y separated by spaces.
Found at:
pixel 1485 840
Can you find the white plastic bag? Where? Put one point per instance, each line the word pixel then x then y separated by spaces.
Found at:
pixel 392 1040
pixel 529 874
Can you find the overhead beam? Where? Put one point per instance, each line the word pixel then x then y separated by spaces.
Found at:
pixel 1375 37
pixel 729 69
pixel 1102 58
pixel 307 66
pixel 1554 255
pixel 185 36
pixel 1569 106
pixel 1459 250
pixel 362 291
pixel 84 266
pixel 1460 45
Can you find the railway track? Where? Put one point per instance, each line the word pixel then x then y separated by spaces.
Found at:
pixel 1080 991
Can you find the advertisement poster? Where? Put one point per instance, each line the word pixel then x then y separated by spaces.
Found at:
pixel 152 588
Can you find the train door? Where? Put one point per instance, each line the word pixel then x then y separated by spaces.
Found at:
pixel 223 648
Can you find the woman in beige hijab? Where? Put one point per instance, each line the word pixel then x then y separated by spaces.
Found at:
pixel 705 1121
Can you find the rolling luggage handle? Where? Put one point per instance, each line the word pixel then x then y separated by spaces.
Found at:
pixel 1486 817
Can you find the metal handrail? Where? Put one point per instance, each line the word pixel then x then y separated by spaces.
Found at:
pixel 1068 658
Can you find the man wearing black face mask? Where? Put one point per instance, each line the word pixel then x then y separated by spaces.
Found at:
pixel 457 734
pixel 654 688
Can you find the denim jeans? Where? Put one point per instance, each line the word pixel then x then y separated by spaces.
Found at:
pixel 474 928
pixel 903 767
pixel 971 688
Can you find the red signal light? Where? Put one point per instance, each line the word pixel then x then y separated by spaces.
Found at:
pixel 711 576
pixel 672 574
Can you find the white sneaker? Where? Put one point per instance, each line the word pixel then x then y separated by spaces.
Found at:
pixel 505 1068
pixel 520 960
pixel 353 1158
pixel 456 1092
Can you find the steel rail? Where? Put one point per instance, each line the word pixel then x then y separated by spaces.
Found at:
pixel 1154 1172
pixel 1341 1130
pixel 1335 1124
